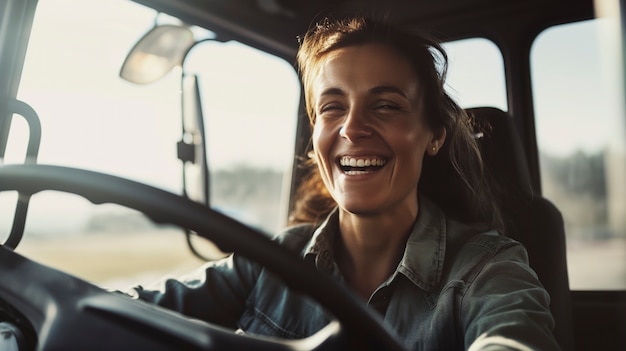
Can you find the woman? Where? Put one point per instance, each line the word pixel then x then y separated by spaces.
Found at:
pixel 395 155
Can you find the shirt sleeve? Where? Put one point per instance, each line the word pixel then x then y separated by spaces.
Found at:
pixel 215 293
pixel 218 292
pixel 505 306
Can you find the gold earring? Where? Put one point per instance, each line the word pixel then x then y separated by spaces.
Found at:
pixel 434 148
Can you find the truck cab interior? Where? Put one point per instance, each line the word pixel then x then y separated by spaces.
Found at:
pixel 140 138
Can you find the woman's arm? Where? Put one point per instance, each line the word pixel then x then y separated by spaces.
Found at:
pixel 505 306
pixel 215 293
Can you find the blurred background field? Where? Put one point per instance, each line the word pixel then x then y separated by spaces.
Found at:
pixel 118 260
pixel 123 259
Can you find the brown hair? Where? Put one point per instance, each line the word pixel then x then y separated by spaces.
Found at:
pixel 455 178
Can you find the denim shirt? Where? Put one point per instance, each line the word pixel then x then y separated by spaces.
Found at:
pixel 456 288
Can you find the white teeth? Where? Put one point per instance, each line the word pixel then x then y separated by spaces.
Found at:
pixel 347 161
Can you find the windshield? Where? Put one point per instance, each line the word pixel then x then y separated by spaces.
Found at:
pixel 93 119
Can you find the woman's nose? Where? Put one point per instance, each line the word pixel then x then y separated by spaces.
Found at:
pixel 355 127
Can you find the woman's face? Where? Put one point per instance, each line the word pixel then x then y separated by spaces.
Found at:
pixel 369 135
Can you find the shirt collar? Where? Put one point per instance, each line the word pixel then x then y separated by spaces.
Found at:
pixel 423 258
pixel 321 246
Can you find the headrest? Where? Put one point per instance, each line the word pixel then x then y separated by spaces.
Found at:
pixel 502 150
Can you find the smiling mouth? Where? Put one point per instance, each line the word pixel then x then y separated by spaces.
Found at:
pixel 360 165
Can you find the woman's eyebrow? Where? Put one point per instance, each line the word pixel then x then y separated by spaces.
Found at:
pixel 332 91
pixel 388 89
pixel 375 90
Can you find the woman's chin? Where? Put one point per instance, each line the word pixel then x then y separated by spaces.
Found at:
pixel 361 208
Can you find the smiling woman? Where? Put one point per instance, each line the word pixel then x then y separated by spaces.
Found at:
pixel 396 216
pixel 354 107
pixel 375 96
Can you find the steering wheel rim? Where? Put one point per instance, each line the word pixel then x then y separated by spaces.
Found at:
pixel 166 207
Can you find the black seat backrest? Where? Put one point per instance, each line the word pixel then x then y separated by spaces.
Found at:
pixel 529 218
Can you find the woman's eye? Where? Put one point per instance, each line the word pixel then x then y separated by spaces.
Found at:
pixel 385 107
pixel 330 108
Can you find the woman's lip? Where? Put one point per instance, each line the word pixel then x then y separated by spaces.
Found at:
pixel 352 173
pixel 362 166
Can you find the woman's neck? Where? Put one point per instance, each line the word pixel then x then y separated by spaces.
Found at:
pixel 370 248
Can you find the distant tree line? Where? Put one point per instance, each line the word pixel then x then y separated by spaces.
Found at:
pixel 577 185
pixel 251 193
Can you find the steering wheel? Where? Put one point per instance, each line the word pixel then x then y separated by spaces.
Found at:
pixel 69 313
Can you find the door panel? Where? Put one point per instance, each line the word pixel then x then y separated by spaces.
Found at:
pixel 599 320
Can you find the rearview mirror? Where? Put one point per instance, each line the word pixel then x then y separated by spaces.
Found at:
pixel 156 53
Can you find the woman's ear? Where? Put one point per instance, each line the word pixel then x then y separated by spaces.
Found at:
pixel 437 141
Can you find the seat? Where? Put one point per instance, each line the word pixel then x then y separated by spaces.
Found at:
pixel 529 218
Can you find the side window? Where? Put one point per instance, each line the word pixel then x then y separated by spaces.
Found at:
pixel 476 73
pixel 93 119
pixel 580 134
pixel 250 102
